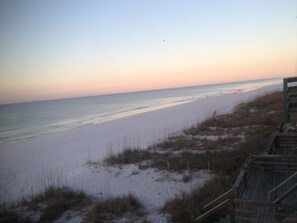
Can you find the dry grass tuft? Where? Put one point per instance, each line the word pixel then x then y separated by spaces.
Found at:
pixel 129 156
pixel 9 216
pixel 53 202
pixel 187 206
pixel 112 209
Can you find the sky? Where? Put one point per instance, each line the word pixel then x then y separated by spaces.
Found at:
pixel 67 48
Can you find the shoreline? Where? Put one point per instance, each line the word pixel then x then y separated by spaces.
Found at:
pixel 62 156
pixel 32 122
pixel 151 110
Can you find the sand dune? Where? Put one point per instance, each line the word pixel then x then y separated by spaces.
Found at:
pixel 60 159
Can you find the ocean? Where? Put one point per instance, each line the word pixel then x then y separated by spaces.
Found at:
pixel 22 121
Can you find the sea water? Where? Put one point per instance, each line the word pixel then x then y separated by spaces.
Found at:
pixel 22 121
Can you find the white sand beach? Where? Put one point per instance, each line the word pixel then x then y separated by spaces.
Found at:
pixel 27 167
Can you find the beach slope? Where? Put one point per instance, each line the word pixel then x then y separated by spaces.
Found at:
pixel 27 167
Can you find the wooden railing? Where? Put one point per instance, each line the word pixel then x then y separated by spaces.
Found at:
pixel 257 211
pixel 254 211
pixel 275 162
pixel 226 199
pixel 242 179
pixel 216 205
pixel 276 142
pixel 287 193
pixel 284 189
pixel 270 145
pixel 290 98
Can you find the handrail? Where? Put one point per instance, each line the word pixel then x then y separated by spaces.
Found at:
pixel 243 175
pixel 291 79
pixel 282 183
pixel 277 138
pixel 270 143
pixel 216 205
pixel 243 171
pixel 218 199
pixel 274 156
pixel 258 211
pixel 263 204
pixel 283 196
pixel 212 211
pixel 287 93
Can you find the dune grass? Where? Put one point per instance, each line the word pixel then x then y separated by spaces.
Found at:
pixel 185 207
pixel 253 121
pixel 111 209
pixel 55 201
pixel 129 156
pixel 226 166
pixel 246 130
pixel 48 205
pixel 259 119
pixel 51 204
pixel 10 216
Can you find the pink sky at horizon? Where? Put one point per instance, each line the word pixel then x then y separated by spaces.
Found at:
pixel 91 89
pixel 55 49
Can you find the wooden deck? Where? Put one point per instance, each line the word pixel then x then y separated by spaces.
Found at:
pixel 261 182
pixel 256 203
pixel 265 190
pixel 290 99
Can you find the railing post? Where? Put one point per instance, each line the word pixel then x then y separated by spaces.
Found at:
pixel 232 205
pixel 285 100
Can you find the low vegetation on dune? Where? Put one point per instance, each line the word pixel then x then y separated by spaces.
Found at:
pixel 9 216
pixel 220 144
pixel 257 120
pixel 111 209
pixel 47 206
pixel 232 135
pixel 53 203
pixel 186 206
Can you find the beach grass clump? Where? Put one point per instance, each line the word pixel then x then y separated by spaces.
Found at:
pixel 185 207
pixel 203 126
pixel 129 156
pixel 112 209
pixel 178 142
pixel 221 162
pixel 53 202
pixel 218 162
pixel 11 216
pixel 187 178
pixel 264 110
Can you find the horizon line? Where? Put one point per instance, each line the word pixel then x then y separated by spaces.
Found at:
pixel 139 91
